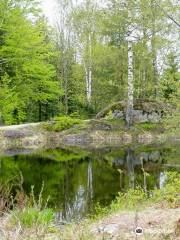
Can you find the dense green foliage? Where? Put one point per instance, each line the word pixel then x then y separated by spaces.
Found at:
pixel 27 76
pixel 62 123
pixel 81 65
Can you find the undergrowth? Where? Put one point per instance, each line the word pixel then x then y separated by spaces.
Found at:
pixel 135 199
pixel 34 212
pixel 62 123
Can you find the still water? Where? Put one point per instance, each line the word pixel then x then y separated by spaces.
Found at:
pixel 76 180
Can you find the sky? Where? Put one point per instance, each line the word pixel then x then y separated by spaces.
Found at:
pixel 48 7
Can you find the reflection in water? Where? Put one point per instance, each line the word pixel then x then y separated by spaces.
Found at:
pixel 130 167
pixel 71 210
pixel 77 180
pixel 162 180
pixel 82 200
pixel 89 185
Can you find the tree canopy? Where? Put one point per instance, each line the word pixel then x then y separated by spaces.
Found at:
pixel 81 64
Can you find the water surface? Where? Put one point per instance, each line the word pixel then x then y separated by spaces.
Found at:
pixel 76 180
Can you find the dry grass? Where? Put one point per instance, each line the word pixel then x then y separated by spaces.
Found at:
pixel 157 223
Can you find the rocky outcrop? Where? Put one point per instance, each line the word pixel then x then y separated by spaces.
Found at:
pixel 144 111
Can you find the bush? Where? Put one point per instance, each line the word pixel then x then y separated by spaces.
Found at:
pixel 62 123
pixel 170 193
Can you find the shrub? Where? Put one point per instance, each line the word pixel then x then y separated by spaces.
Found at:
pixel 62 123
pixel 171 191
pixel 134 199
pixel 109 115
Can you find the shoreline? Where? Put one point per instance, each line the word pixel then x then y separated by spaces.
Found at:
pixel 33 136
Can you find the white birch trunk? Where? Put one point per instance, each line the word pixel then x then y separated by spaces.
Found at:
pixel 89 92
pixel 129 111
pixel 88 86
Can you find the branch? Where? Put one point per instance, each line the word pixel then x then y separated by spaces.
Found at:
pixel 168 15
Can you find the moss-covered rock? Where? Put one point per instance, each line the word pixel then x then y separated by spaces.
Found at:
pixel 144 111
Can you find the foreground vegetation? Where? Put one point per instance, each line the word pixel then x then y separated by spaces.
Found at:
pixel 31 219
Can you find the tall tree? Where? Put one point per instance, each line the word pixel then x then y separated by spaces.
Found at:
pixel 84 27
pixel 27 75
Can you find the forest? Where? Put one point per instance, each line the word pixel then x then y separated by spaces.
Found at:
pixel 90 120
pixel 95 54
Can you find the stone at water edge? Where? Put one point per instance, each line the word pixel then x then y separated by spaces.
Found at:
pixel 110 228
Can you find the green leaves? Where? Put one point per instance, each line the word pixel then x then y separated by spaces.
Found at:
pixel 27 75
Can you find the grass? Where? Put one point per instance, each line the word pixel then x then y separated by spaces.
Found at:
pixel 30 217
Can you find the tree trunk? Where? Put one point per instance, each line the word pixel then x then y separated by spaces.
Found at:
pixel 145 65
pixel 40 111
pixel 66 85
pixel 88 71
pixel 88 96
pixel 154 51
pixel 130 167
pixel 129 111
pixel 89 93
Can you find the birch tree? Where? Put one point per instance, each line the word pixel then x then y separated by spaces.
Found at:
pixel 130 98
pixel 131 34
pixel 84 28
pixel 64 41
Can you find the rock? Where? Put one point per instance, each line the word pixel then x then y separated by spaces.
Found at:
pixel 144 110
pixel 117 162
pixel 137 161
pixel 144 156
pixel 145 138
pixel 14 134
pixel 140 116
pixel 154 156
pixel 102 126
pixel 118 114
pixel 154 117
pixel 110 228
pixel 12 152
pixel 76 139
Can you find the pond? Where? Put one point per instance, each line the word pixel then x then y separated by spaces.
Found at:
pixel 77 180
